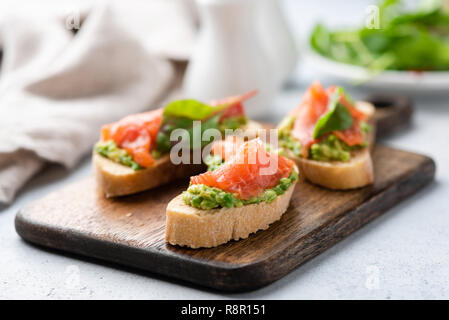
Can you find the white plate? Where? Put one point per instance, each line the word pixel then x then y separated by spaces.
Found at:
pixel 400 80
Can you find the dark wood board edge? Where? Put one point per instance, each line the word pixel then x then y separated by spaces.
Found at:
pixel 223 277
pixel 393 113
pixel 352 220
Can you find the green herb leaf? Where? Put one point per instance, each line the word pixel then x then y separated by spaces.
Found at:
pixel 162 142
pixel 211 123
pixel 233 123
pixel 337 118
pixel 191 109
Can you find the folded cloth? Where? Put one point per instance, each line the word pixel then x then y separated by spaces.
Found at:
pixel 57 88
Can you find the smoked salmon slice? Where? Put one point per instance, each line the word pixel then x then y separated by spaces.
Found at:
pixel 227 148
pixel 136 134
pixel 313 105
pixel 249 172
pixel 235 104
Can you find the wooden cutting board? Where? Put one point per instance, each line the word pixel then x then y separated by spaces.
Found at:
pixel 130 230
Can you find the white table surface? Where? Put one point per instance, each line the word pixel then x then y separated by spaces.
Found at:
pixel 402 254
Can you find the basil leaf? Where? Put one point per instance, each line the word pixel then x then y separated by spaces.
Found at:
pixel 170 123
pixel 182 113
pixel 191 109
pixel 211 123
pixel 337 118
pixel 163 142
pixel 233 123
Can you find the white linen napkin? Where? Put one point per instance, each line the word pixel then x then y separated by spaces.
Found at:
pixel 57 88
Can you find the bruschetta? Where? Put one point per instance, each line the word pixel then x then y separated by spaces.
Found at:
pixel 245 191
pixel 329 137
pixel 133 154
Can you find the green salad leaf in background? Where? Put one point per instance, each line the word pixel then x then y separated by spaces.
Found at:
pixel 407 39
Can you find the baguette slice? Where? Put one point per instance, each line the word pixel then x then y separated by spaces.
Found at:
pixel 115 179
pixel 356 173
pixel 369 109
pixel 196 228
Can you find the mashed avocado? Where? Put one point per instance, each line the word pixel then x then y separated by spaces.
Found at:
pixel 331 149
pixel 213 162
pixel 110 150
pixel 290 143
pixel 204 197
pixel 286 125
pixel 232 123
pixel 285 139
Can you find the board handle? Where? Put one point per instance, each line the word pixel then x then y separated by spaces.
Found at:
pixel 393 113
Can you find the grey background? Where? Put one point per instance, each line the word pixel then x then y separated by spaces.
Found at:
pixel 403 254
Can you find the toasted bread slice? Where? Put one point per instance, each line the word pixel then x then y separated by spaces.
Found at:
pixel 115 179
pixel 369 109
pixel 356 173
pixel 196 228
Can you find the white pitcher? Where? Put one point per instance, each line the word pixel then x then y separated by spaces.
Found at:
pixel 278 41
pixel 229 57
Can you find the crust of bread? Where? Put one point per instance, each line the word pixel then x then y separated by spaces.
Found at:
pixel 369 109
pixel 366 107
pixel 196 228
pixel 356 173
pixel 116 180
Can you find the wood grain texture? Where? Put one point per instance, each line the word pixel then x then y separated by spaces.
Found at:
pixel 130 230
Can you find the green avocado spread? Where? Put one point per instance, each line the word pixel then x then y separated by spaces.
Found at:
pixel 286 141
pixel 204 197
pixel 213 162
pixel 110 150
pixel 332 149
